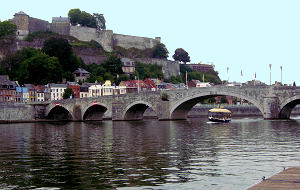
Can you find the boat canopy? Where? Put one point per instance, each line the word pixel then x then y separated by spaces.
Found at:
pixel 219 110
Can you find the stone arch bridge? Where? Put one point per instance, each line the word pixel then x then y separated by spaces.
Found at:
pixel 273 102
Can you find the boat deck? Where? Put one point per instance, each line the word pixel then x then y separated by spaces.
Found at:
pixel 287 179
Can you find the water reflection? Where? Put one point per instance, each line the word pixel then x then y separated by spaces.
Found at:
pixel 161 154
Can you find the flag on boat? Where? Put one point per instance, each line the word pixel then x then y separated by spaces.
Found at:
pixel 241 73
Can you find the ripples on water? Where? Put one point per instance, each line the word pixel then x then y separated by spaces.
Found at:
pixel 192 154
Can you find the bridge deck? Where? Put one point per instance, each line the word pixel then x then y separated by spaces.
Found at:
pixel 287 179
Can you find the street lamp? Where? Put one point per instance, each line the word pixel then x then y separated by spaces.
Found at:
pixel 227 74
pixel 281 73
pixel 270 65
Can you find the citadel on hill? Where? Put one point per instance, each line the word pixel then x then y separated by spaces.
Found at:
pixel 61 25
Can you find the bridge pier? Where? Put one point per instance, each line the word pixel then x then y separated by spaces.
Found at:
pixel 271 107
pixel 163 111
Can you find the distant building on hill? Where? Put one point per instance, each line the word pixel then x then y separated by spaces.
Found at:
pixel 201 67
pixel 128 65
pixel 81 75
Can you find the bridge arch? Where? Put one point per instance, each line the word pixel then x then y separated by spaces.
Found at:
pixel 94 111
pixel 59 113
pixel 136 110
pixel 287 106
pixel 182 107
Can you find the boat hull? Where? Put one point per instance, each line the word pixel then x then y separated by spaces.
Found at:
pixel 219 120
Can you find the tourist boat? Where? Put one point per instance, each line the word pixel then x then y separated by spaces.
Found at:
pixel 219 115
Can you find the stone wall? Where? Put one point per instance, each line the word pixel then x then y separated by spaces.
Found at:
pixel 170 68
pixel 127 41
pixel 89 55
pixel 60 28
pixel 87 34
pixel 16 112
pixel 38 25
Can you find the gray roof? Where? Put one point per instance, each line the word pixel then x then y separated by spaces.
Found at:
pixel 4 80
pixel 125 59
pixel 58 85
pixel 81 70
pixel 60 19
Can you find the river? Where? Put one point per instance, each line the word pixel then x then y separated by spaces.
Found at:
pixel 191 154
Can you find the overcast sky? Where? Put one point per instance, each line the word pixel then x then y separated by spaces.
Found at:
pixel 245 35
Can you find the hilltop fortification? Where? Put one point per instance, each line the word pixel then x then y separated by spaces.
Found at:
pixel 61 25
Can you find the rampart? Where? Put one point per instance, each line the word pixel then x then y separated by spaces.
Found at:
pixel 61 25
pixel 127 41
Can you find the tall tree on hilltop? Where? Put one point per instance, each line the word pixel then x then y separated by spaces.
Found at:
pixel 160 51
pixel 181 55
pixel 74 16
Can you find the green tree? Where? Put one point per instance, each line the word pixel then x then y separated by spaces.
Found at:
pixel 81 17
pixel 113 65
pixel 181 55
pixel 61 49
pixel 7 28
pixel 109 76
pixel 39 69
pixel 68 93
pixel 160 51
pixel 74 16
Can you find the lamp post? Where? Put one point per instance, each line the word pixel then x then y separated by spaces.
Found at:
pixel 270 65
pixel 227 74
pixel 281 73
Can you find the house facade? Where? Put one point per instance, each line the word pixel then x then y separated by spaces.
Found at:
pixel 57 91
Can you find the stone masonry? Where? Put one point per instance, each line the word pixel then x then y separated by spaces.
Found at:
pixel 273 103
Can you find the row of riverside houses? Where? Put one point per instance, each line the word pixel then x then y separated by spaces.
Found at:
pixel 12 92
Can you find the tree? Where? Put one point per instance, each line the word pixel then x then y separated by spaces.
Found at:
pixel 74 16
pixel 61 49
pixel 7 28
pixel 68 93
pixel 39 69
pixel 160 51
pixel 181 55
pixel 85 19
pixel 113 65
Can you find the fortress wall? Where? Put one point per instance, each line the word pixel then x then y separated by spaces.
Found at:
pixel 170 68
pixel 83 33
pixel 16 112
pixel 88 34
pixel 89 55
pixel 60 28
pixel 127 41
pixel 38 25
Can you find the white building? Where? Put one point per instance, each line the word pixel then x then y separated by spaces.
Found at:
pixel 57 91
pixel 95 90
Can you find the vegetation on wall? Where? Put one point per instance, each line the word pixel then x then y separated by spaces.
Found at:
pixel 143 71
pixel 133 52
pixel 160 51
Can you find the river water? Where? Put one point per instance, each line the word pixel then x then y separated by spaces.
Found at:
pixel 191 154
